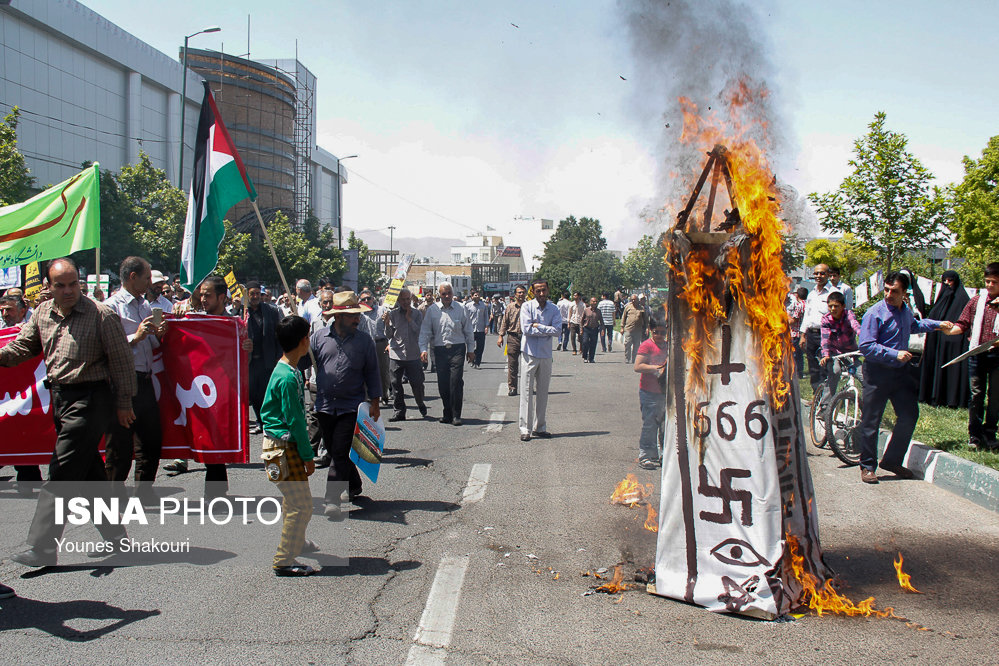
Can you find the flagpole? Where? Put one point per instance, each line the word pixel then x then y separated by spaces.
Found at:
pixel 270 246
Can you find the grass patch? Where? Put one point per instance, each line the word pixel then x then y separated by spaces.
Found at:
pixel 943 428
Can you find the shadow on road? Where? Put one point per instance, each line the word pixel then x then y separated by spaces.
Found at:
pixel 20 613
pixel 362 566
pixel 395 511
pixel 582 433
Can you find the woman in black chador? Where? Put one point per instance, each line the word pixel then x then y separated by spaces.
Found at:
pixel 946 387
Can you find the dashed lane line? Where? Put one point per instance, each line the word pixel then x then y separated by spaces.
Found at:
pixel 475 489
pixel 437 623
pixel 495 421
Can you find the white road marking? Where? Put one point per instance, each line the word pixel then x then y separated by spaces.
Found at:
pixel 437 623
pixel 502 390
pixel 495 421
pixel 475 489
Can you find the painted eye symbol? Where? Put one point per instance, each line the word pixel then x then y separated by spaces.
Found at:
pixel 739 553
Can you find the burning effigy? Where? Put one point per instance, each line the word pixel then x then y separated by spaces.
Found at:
pixel 737 491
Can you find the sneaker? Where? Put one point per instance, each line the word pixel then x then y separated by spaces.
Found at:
pixel 512 391
pixel 6 592
pixel 256 430
pixel 647 464
pixel 868 475
pixel 295 570
pixel 398 416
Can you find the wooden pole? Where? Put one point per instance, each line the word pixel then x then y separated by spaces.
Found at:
pixel 270 246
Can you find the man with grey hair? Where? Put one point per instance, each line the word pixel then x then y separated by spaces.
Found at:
pixel 308 305
pixel 373 322
pixel 447 332
pixel 402 326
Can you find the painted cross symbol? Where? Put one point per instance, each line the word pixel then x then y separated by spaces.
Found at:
pixel 726 368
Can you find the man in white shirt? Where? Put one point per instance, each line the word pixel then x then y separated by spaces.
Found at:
pixel 540 321
pixel 847 290
pixel 564 306
pixel 447 333
pixel 811 324
pixel 143 439
pixel 308 304
pixel 576 320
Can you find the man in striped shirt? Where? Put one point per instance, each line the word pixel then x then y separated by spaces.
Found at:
pixel 607 310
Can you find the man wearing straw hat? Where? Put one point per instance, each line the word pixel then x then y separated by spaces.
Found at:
pixel 346 375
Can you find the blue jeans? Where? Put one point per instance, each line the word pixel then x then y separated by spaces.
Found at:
pixel 653 414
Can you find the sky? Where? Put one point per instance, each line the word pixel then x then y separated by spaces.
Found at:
pixel 468 115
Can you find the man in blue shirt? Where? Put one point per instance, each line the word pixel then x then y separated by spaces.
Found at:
pixel 346 375
pixel 889 376
pixel 478 312
pixel 540 321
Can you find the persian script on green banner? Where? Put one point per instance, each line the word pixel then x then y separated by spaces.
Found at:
pixel 61 220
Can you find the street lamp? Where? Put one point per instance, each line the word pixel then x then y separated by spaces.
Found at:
pixel 339 218
pixel 183 101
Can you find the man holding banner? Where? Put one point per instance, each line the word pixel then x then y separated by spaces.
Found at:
pixel 91 373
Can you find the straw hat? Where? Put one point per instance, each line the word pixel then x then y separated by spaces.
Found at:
pixel 345 302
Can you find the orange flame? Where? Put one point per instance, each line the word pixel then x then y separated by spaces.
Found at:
pixel 615 584
pixel 651 520
pixel 904 579
pixel 761 287
pixel 823 598
pixel 630 492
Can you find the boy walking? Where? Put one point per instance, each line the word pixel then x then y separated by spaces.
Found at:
pixel 286 436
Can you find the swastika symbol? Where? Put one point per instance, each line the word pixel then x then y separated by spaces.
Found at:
pixel 727 494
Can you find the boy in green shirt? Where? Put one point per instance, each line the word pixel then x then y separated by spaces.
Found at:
pixel 286 436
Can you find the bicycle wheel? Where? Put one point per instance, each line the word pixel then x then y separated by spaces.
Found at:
pixel 816 426
pixel 843 428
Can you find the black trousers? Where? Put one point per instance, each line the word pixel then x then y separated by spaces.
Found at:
pixel 983 374
pixel 82 414
pixel 338 431
pixel 413 371
pixel 450 365
pixel 480 346
pixel 590 342
pixel 799 357
pixel 884 384
pixel 813 344
pixel 260 375
pixel 606 337
pixel 121 442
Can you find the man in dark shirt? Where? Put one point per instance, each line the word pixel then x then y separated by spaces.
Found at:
pixel 85 353
pixel 510 328
pixel 347 374
pixel 261 322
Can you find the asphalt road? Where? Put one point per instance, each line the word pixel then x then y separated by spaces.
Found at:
pixel 451 561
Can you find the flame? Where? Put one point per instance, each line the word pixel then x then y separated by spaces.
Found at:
pixel 760 289
pixel 630 492
pixel 904 579
pixel 615 584
pixel 651 520
pixel 823 598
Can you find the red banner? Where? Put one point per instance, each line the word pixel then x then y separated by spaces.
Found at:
pixel 201 380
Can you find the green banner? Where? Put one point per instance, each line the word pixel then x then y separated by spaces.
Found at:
pixel 59 221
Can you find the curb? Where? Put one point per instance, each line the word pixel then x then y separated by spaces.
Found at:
pixel 967 479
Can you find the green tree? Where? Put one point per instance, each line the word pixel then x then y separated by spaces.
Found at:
pixel 597 273
pixel 847 254
pixel 975 222
pixel 368 274
pixel 16 182
pixel 645 264
pixel 300 256
pixel 886 201
pixel 157 213
pixel 572 240
pixel 792 252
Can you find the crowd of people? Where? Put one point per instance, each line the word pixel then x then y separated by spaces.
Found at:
pixel 904 344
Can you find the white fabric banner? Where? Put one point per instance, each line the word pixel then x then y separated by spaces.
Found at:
pixel 926 286
pixel 741 478
pixel 10 277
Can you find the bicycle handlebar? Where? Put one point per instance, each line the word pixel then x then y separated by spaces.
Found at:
pixel 846 355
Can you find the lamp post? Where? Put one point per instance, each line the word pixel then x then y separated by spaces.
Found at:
pixel 183 101
pixel 339 218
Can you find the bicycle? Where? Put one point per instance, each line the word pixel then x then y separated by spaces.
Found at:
pixel 816 421
pixel 845 412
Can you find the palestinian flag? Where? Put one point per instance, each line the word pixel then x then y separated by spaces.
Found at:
pixel 220 182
